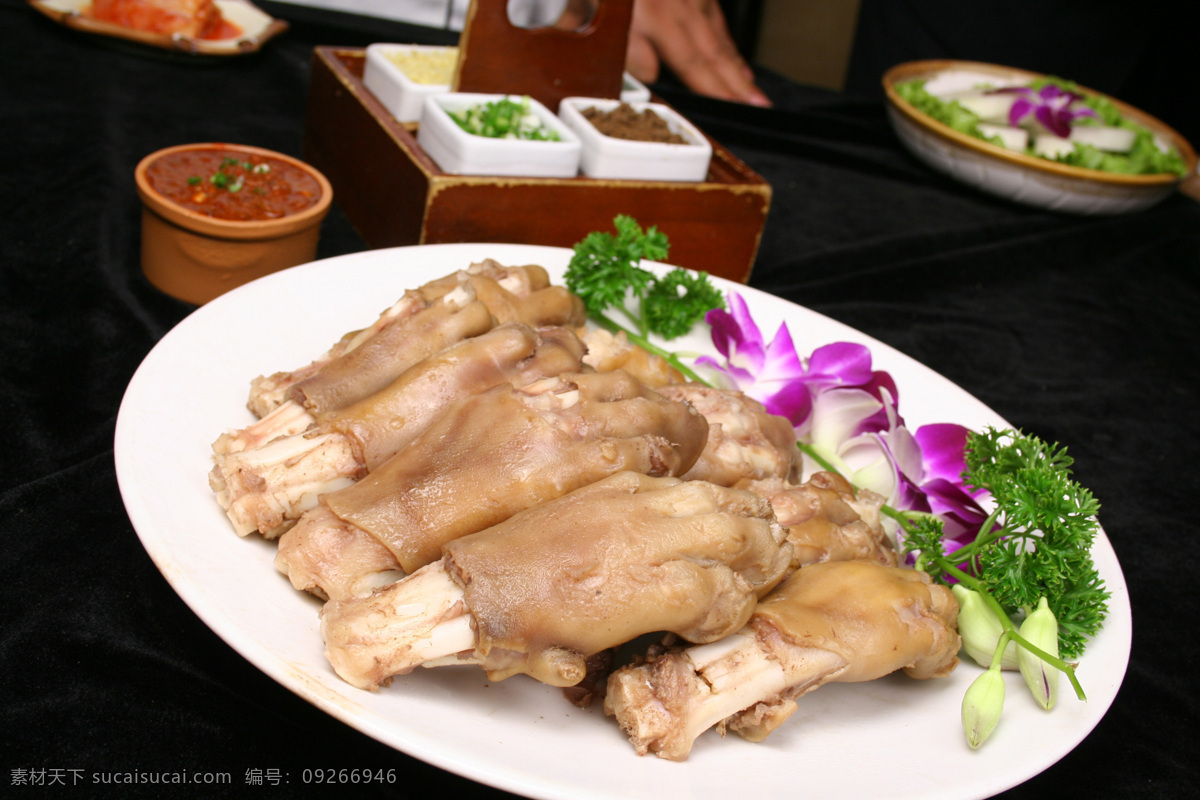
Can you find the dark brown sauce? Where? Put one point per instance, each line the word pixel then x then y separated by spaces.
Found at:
pixel 624 122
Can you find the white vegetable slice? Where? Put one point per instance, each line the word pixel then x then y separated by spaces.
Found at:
pixel 1104 137
pixel 1048 145
pixel 1010 137
pixel 958 81
pixel 987 106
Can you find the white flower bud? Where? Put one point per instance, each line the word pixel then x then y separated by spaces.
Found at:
pixel 1040 628
pixel 982 705
pixel 980 629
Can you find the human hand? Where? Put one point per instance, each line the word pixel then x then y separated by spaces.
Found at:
pixel 690 38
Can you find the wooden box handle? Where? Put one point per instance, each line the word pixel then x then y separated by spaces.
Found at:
pixel 548 64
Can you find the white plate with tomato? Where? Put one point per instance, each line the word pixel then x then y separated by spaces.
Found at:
pixel 196 27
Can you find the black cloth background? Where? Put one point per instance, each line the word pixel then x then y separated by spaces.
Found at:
pixel 1081 330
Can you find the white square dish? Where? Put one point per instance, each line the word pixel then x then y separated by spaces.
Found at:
pixel 459 152
pixel 401 94
pixel 610 157
pixel 633 90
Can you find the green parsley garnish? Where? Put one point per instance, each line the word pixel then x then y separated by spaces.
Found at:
pixel 232 183
pixel 678 300
pixel 1036 542
pixel 605 273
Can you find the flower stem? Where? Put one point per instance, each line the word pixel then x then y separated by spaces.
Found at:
pixel 824 464
pixel 951 568
pixel 988 533
pixel 644 343
pixel 1010 630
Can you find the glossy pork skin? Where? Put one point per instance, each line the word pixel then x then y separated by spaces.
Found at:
pixel 826 519
pixel 521 281
pixel 607 352
pixel 623 557
pixel 506 449
pixel 373 365
pixel 876 619
pixel 550 305
pixel 494 293
pixel 837 621
pixel 330 557
pixel 559 582
pixel 745 441
pixel 266 487
pixel 384 423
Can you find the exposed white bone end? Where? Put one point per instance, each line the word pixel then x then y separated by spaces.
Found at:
pixel 743 681
pixel 286 419
pixel 265 489
pixel 420 619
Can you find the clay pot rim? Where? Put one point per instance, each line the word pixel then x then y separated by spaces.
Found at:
pixel 232 229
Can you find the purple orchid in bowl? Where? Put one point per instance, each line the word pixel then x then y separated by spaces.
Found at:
pixel 1055 108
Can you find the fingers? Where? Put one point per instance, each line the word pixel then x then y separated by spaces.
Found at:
pixel 641 58
pixel 691 38
pixel 576 15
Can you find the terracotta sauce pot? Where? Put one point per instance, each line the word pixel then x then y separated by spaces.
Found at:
pixel 195 257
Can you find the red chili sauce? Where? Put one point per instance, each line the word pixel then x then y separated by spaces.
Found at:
pixel 199 19
pixel 223 29
pixel 233 185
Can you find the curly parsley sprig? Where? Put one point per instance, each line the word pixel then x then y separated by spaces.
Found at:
pixel 1035 543
pixel 606 273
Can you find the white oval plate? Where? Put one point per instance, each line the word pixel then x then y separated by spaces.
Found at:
pixel 518 735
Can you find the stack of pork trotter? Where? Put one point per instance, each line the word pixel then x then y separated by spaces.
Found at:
pixel 478 477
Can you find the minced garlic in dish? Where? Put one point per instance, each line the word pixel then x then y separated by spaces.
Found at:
pixel 434 67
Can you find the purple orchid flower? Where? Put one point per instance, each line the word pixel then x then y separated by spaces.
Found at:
pixel 849 415
pixel 774 373
pixel 934 485
pixel 923 472
pixel 1051 106
pixel 860 432
pixel 943 449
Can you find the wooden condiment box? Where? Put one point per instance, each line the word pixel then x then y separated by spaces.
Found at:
pixel 394 194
